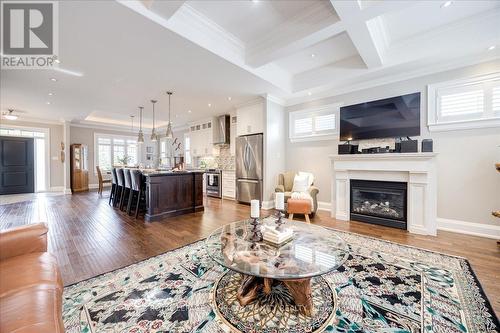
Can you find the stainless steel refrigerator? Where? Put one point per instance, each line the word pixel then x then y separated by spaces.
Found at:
pixel 249 167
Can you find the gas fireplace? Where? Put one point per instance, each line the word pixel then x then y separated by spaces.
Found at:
pixel 379 202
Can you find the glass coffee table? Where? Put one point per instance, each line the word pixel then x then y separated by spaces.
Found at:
pixel 313 251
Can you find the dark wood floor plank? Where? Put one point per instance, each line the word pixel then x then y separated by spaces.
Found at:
pixel 88 237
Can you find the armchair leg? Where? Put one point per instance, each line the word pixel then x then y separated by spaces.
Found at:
pixel 307 218
pixel 290 216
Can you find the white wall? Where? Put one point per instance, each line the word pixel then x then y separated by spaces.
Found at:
pixel 468 184
pixel 275 134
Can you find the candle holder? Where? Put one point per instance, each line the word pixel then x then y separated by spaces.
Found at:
pixel 280 214
pixel 256 233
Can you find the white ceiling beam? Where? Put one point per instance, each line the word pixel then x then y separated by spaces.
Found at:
pixel 166 9
pixel 351 14
pixel 286 47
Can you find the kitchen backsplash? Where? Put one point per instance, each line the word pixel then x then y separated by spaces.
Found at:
pixel 224 161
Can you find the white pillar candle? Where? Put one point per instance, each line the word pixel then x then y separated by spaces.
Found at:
pixel 279 201
pixel 255 210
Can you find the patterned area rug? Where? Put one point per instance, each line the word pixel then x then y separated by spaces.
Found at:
pixel 382 287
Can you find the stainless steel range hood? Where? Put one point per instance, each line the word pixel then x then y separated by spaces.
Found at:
pixel 221 134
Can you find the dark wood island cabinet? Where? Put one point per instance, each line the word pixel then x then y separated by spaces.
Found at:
pixel 173 193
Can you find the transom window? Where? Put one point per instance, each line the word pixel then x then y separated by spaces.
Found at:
pixel 115 150
pixel 314 124
pixel 466 103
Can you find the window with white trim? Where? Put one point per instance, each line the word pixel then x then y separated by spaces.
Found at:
pixel 111 150
pixel 466 103
pixel 314 124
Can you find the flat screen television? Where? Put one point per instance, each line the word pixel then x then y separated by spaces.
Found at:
pixel 386 118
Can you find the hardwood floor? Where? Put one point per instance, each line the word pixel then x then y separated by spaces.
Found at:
pixel 89 237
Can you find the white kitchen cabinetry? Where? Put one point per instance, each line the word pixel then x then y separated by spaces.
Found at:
pixel 232 137
pixel 201 134
pixel 250 119
pixel 228 184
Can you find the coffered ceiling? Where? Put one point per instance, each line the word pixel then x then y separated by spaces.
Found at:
pixel 226 52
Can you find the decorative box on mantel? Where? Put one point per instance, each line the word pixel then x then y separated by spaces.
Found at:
pixel 418 170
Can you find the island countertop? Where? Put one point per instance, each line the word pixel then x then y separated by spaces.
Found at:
pixel 171 193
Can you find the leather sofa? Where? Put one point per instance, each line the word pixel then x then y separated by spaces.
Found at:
pixel 30 282
pixel 285 184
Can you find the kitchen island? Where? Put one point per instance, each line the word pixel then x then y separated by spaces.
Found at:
pixel 173 193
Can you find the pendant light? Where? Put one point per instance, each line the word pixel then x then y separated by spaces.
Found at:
pixel 140 136
pixel 169 133
pixel 153 132
pixel 132 122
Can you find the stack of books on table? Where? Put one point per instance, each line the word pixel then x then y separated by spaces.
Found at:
pixel 271 235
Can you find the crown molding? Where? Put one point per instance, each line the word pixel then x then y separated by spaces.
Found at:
pixel 249 102
pixel 22 119
pixel 274 99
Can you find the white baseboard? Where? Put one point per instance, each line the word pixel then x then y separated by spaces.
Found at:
pixel 469 228
pixel 323 205
pixel 56 189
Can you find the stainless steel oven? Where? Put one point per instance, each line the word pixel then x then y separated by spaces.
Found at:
pixel 214 183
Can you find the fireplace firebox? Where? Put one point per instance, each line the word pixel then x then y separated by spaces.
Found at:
pixel 379 202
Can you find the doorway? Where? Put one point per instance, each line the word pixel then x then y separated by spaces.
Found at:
pixel 40 152
pixel 17 159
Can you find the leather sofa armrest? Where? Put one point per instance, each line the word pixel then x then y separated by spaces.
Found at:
pixel 279 188
pixel 23 240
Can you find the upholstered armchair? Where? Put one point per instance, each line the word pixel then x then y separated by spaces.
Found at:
pixel 285 184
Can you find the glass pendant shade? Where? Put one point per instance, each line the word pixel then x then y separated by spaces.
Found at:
pixel 140 136
pixel 169 133
pixel 154 136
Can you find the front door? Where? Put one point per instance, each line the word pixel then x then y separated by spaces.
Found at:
pixel 17 173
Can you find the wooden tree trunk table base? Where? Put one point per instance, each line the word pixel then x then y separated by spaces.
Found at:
pixel 300 289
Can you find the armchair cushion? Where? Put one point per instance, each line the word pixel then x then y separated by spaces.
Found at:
pixel 279 188
pixel 23 240
pixel 288 180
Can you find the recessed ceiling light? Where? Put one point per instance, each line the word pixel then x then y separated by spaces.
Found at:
pixel 446 4
pixel 209 105
pixel 255 1
pixel 51 94
pixel 309 93
pixel 189 111
pixel 57 61
pixel 312 55
pixel 229 98
pixel 48 103
pixel 53 79
pixel 492 47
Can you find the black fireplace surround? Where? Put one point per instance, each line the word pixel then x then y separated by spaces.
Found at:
pixel 379 202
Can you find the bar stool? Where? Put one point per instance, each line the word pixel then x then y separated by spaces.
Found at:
pixel 137 192
pixel 113 186
pixel 126 188
pixel 120 182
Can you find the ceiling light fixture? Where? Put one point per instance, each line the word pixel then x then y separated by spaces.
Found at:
pixel 140 136
pixel 309 93
pixel 312 55
pixel 446 4
pixel 169 133
pixel 154 137
pixel 229 98
pixel 189 111
pixel 57 61
pixel 492 47
pixel 51 94
pixel 132 121
pixel 67 71
pixel 53 79
pixel 48 103
pixel 9 115
pixel 209 105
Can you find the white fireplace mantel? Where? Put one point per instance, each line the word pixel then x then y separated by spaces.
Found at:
pixel 418 170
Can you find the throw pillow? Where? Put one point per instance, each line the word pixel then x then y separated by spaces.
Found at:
pixel 310 177
pixel 300 184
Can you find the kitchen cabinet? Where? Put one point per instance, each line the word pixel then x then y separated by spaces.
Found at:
pixel 232 137
pixel 250 119
pixel 228 184
pixel 201 138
